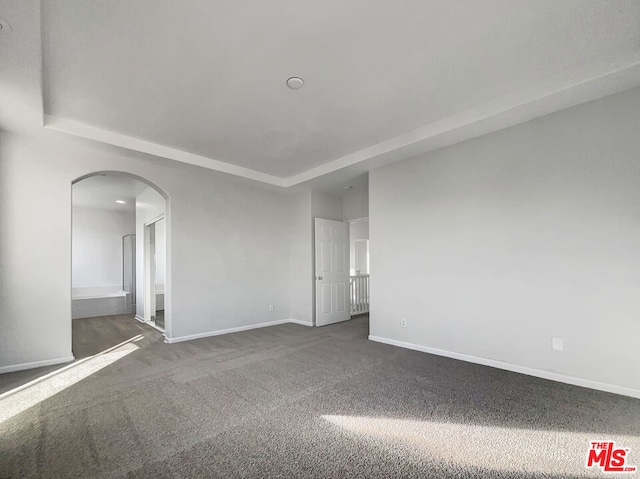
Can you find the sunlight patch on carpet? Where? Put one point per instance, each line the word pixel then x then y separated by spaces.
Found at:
pixel 485 446
pixel 20 399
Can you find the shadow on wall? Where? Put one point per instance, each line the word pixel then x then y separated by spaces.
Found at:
pixel 295 400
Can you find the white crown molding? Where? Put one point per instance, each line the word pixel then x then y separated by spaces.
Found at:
pixel 580 85
pixel 543 98
pixel 101 135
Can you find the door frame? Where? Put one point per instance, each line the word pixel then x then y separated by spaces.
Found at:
pixel 168 323
pixel 149 273
pixel 355 254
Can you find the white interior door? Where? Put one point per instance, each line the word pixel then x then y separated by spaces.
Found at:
pixel 332 271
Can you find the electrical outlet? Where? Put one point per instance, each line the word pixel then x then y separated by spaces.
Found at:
pixel 403 323
pixel 271 308
pixel 557 344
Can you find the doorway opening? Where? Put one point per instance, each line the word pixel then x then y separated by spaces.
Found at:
pixel 111 212
pixel 359 280
pixel 342 286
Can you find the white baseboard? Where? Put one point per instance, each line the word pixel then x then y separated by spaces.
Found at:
pixel 219 332
pixel 299 321
pixel 35 364
pixel 140 318
pixel 587 383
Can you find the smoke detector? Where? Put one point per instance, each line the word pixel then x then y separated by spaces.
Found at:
pixel 5 27
pixel 295 83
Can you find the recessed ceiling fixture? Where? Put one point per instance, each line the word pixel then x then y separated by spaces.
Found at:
pixel 5 27
pixel 295 83
pixel 348 187
pixel 121 202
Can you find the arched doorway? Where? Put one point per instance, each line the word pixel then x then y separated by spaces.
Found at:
pixel 121 239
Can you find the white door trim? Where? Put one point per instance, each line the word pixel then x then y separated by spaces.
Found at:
pixel 149 272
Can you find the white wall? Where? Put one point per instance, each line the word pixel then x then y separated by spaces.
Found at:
pixel 301 279
pixel 97 245
pixel 355 203
pixel 229 241
pixel 357 231
pixel 355 206
pixel 327 206
pixel 161 251
pixel 149 205
pixel 493 247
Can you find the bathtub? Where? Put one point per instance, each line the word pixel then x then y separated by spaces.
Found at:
pixel 160 297
pixel 92 301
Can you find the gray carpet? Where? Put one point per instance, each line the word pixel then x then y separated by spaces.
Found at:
pixel 290 401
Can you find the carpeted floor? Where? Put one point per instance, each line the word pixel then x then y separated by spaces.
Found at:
pixel 290 401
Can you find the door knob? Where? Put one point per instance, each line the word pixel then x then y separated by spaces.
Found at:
pixel 319 278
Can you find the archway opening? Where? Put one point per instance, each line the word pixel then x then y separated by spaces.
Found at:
pixel 120 274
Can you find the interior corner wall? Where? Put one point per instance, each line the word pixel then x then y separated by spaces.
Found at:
pixel 97 245
pixel 356 204
pixel 492 247
pixel 149 205
pixel 327 206
pixel 306 206
pixel 301 280
pixel 229 240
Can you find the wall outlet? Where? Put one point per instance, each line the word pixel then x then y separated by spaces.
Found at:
pixel 557 344
pixel 403 323
pixel 271 308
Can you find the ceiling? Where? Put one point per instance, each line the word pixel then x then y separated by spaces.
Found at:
pixel 102 191
pixel 205 82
